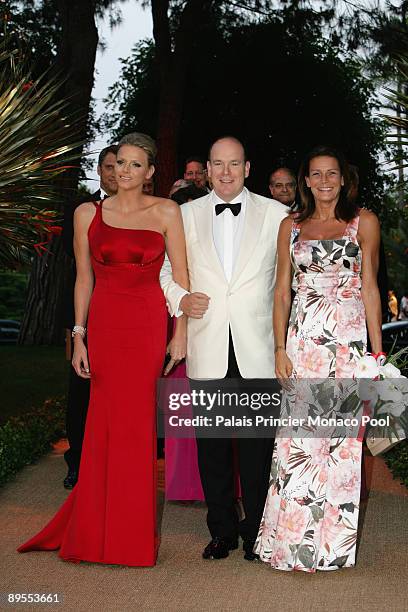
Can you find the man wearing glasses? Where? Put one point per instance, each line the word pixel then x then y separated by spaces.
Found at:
pixel 195 172
pixel 282 185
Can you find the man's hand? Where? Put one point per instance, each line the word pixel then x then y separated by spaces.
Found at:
pixel 194 305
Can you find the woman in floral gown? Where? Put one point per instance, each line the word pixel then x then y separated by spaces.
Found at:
pixel 311 513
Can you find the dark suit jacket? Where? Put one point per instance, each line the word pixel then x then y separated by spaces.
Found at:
pixel 68 242
pixel 68 223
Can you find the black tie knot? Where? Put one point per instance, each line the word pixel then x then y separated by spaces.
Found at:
pixel 234 208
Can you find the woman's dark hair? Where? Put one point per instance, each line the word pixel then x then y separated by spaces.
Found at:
pixel 346 207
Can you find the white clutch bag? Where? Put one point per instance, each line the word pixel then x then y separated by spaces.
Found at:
pixel 378 446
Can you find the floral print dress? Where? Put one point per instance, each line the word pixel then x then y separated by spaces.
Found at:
pixel 311 512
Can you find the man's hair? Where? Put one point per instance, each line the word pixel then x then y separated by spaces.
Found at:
pixel 194 158
pixel 111 149
pixel 282 167
pixel 227 137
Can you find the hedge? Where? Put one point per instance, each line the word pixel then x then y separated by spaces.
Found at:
pixel 397 461
pixel 25 438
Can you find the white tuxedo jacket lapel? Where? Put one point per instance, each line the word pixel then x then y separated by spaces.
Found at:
pixel 254 219
pixel 204 222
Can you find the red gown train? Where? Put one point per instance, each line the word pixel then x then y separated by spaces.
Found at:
pixel 110 516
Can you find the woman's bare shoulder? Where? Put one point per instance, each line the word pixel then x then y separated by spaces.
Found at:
pixel 286 226
pixel 368 220
pixel 84 213
pixel 167 208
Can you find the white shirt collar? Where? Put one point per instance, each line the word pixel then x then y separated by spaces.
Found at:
pixel 241 197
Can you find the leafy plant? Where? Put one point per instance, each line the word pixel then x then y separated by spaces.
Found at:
pixel 37 144
pixel 398 103
pixel 25 438
pixel 397 461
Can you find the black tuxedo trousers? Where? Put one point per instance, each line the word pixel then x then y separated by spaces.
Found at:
pixel 216 465
pixel 77 409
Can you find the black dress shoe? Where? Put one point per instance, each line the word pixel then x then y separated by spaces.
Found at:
pixel 248 548
pixel 219 548
pixel 71 479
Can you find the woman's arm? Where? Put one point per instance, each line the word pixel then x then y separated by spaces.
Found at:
pixel 84 283
pixel 369 239
pixel 282 300
pixel 176 251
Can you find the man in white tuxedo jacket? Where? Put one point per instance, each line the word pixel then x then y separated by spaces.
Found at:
pixel 231 251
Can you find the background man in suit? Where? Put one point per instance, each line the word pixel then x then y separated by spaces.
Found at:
pixel 282 185
pixel 231 253
pixel 78 388
pixel 195 171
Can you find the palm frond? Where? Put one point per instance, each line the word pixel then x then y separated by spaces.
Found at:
pixel 39 142
pixel 398 97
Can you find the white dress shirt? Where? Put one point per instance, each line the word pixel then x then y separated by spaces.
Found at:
pixel 227 235
pixel 227 231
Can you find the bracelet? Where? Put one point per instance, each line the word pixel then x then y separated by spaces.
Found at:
pixel 280 347
pixel 78 330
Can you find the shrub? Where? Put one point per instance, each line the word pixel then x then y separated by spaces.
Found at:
pixel 397 461
pixel 25 438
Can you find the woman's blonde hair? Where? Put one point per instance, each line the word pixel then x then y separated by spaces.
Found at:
pixel 143 141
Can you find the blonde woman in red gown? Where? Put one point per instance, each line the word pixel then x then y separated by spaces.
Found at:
pixel 110 516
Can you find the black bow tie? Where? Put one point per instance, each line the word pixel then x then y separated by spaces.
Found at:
pixel 234 208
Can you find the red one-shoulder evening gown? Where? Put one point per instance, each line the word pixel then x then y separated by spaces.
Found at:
pixel 110 516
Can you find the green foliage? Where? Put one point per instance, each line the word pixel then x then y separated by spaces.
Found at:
pixel 37 142
pixel 33 28
pixel 397 461
pixel 398 104
pixel 127 97
pixel 13 289
pixel 279 85
pixel 30 374
pixel 25 438
pixel 396 250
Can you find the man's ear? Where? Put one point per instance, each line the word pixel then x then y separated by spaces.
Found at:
pixel 208 168
pixel 98 170
pixel 247 168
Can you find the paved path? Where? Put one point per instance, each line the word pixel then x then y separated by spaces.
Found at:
pixel 182 580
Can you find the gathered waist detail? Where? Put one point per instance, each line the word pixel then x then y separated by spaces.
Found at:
pixel 338 280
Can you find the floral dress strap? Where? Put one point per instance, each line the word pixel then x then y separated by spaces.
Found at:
pixel 295 229
pixel 352 227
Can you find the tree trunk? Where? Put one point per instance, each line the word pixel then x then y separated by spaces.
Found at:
pixel 43 317
pixel 173 69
